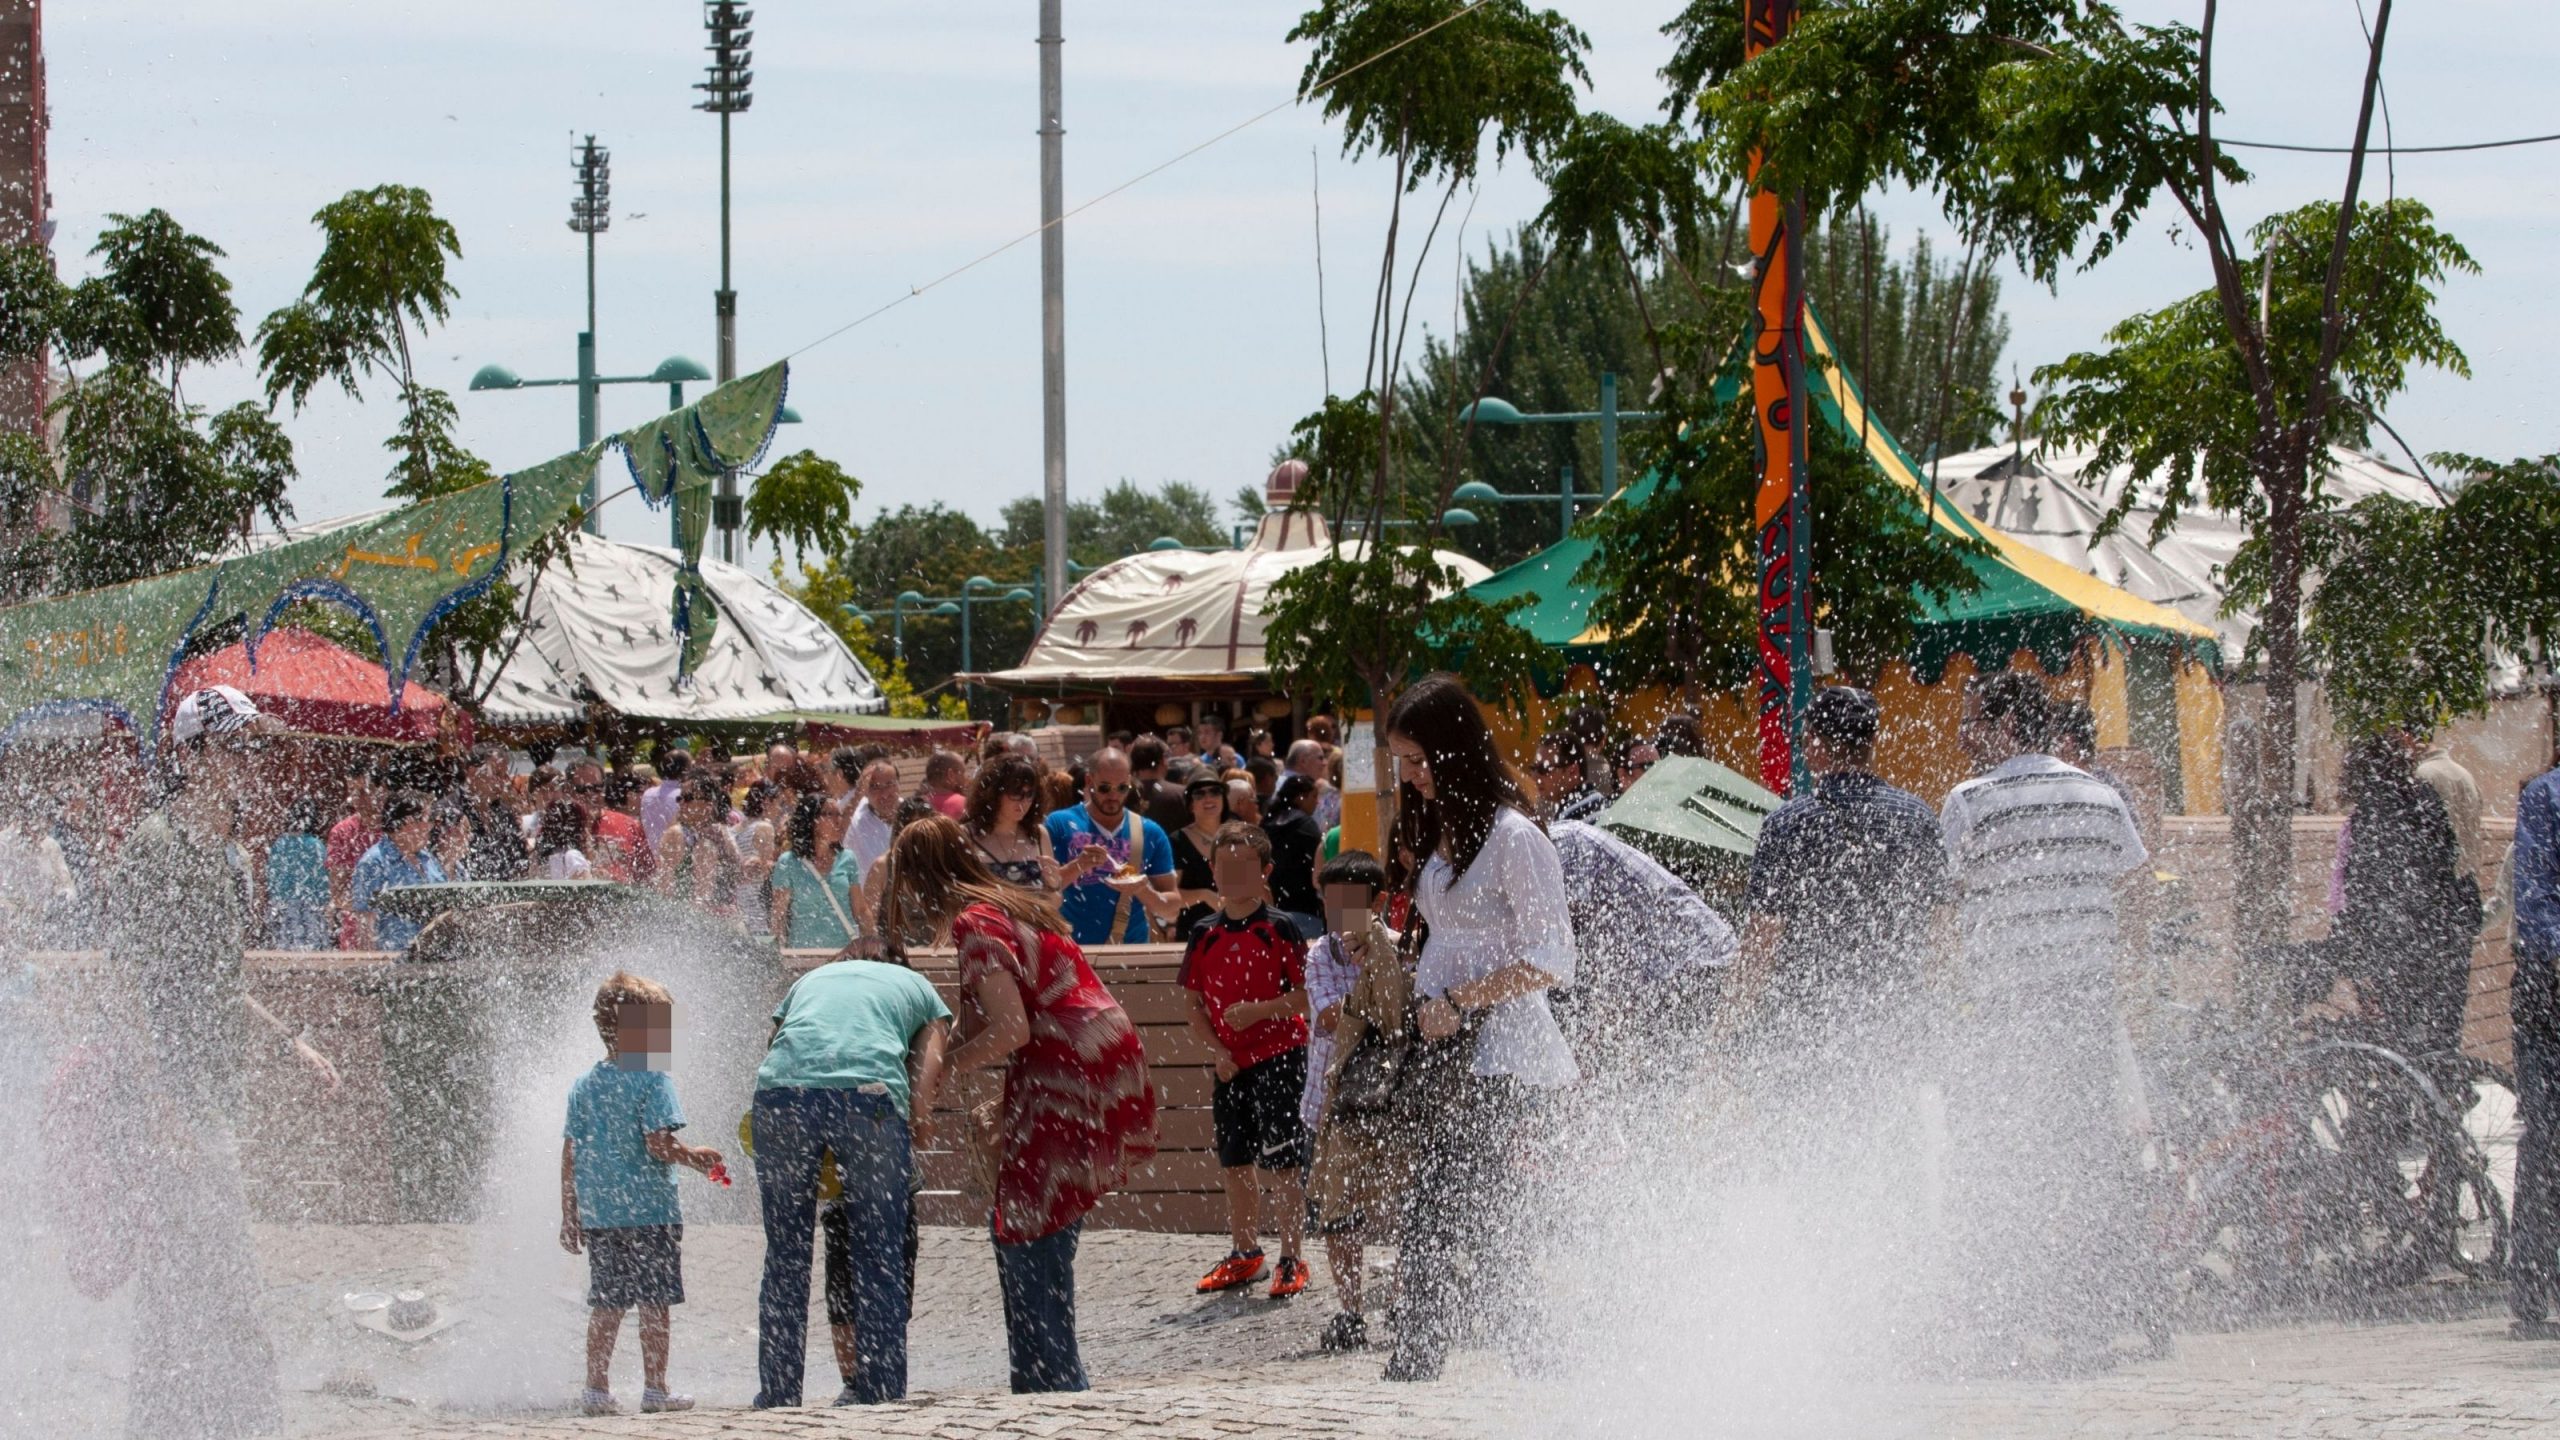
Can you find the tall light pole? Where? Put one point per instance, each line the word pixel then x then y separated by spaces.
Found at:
pixel 725 92
pixel 1053 320
pixel 590 212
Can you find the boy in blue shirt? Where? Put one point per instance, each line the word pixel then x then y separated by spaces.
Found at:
pixel 618 1187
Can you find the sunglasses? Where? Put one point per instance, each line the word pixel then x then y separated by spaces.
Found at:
pixel 1110 787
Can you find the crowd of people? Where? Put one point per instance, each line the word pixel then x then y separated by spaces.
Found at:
pixel 1396 1037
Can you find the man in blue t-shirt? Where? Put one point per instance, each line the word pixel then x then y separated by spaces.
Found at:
pixel 1101 838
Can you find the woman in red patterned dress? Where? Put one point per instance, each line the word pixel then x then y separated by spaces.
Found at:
pixel 1078 1113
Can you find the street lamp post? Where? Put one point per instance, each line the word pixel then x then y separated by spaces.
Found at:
pixel 726 92
pixel 1476 492
pixel 590 212
pixel 672 372
pixel 1491 411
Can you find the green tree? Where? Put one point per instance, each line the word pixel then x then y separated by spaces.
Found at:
pixel 1439 86
pixel 1887 311
pixel 159 301
pixel 826 592
pixel 1678 577
pixel 803 500
pixel 380 282
pixel 1923 337
pixel 31 301
pixel 2477 569
pixel 1125 520
pixel 2046 129
pixel 934 550
pixel 161 484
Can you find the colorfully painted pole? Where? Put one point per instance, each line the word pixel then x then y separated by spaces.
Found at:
pixel 1777 394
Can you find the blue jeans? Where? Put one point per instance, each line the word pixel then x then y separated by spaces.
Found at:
pixel 1039 1282
pixel 870 1141
pixel 2533 1264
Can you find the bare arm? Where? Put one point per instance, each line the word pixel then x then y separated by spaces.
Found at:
pixel 780 919
pixel 571 1236
pixel 1195 1014
pixel 1749 979
pixel 1253 1012
pixel 1006 1030
pixel 667 1149
pixel 925 1055
pixel 1508 983
pixel 309 1054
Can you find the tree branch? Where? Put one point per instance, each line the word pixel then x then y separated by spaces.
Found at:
pixel 2332 318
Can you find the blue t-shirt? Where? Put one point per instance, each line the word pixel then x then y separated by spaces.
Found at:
pixel 814 925
pixel 847 1026
pixel 612 1113
pixel 1090 902
pixel 297 871
pixel 383 867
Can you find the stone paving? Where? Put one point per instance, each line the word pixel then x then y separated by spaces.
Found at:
pixel 1172 1366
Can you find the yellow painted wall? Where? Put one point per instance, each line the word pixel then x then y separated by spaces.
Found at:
pixel 1917 747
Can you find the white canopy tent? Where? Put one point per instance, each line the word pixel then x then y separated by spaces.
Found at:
pixel 601 623
pixel 1180 622
pixel 2053 501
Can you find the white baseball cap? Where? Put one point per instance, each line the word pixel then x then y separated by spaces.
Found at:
pixel 214 710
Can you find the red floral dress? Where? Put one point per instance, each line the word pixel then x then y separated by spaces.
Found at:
pixel 1079 1111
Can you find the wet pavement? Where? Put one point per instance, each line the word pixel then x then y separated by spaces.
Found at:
pixel 1167 1363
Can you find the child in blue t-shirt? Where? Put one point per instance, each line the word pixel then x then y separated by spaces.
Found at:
pixel 618 1187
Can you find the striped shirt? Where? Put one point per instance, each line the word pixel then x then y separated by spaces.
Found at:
pixel 2037 847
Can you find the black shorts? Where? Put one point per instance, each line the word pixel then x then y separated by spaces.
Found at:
pixel 631 1265
pixel 1255 1115
pixel 837 1226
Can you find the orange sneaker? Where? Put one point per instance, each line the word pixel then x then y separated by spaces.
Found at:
pixel 1241 1267
pixel 1289 1279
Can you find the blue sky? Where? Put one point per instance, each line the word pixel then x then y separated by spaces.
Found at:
pixel 890 143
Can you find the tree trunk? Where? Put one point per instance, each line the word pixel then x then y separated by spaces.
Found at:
pixel 2262 824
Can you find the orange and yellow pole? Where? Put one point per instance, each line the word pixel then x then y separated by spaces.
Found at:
pixel 1778 399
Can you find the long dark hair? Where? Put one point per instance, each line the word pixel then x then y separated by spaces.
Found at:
pixel 1006 774
pixel 1472 779
pixel 802 835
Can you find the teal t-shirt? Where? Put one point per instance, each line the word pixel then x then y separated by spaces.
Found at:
pixel 847 1026
pixel 814 925
pixel 612 1112
pixel 297 871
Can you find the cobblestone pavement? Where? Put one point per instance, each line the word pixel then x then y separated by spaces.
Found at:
pixel 1172 1366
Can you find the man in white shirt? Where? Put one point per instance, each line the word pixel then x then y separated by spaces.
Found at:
pixel 2043 1168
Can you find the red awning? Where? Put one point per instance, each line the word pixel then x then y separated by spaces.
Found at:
pixel 312 686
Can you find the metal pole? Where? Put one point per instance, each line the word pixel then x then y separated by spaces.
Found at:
pixel 1608 435
pixel 968 607
pixel 587 389
pixel 1568 504
pixel 725 307
pixel 898 630
pixel 1053 319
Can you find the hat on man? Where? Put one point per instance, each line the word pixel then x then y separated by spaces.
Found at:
pixel 1843 715
pixel 214 710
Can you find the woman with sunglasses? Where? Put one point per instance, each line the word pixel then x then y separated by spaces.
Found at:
pixel 1004 820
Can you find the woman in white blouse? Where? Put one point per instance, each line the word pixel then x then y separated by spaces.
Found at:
pixel 1491 899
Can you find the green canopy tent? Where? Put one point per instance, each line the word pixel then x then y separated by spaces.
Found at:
pixel 112 653
pixel 2026 600
pixel 1699 819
